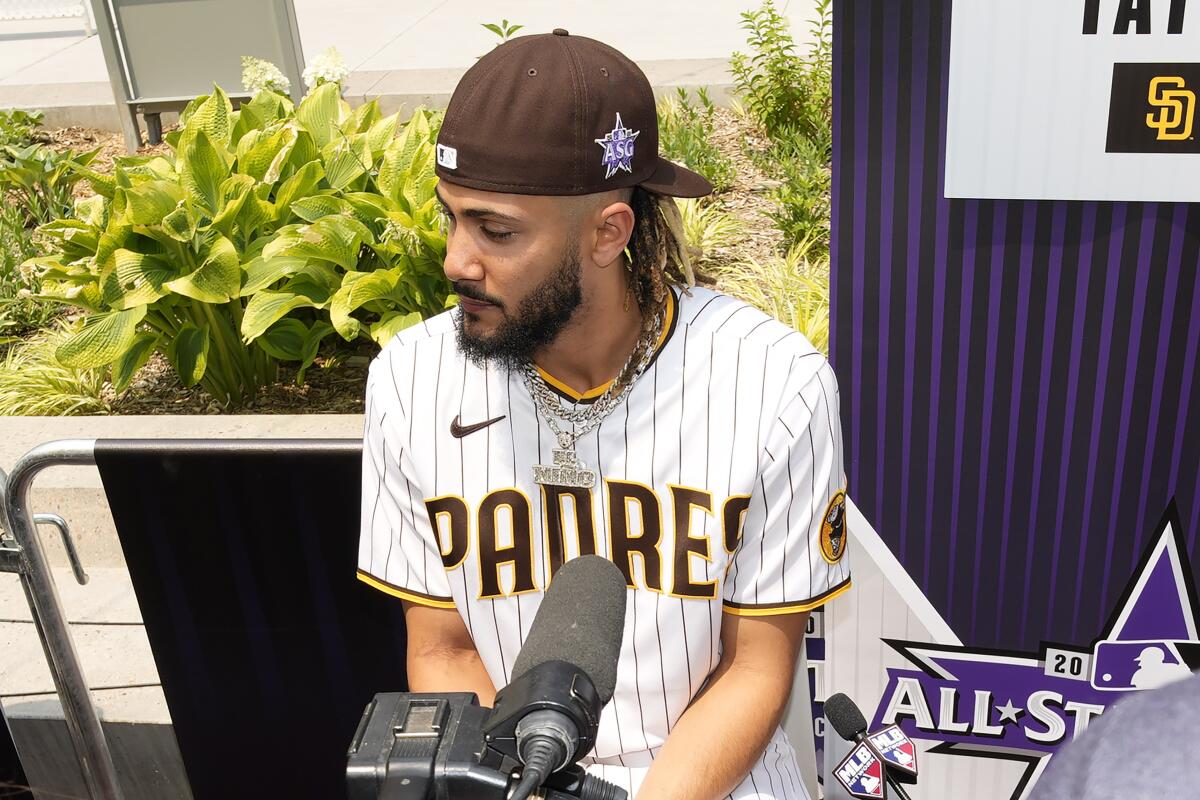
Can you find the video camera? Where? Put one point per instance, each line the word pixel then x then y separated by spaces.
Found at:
pixel 447 747
pixel 415 746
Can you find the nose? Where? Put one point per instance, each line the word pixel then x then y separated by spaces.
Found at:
pixel 462 259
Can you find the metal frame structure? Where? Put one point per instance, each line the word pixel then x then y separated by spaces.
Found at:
pixel 25 556
pixel 128 98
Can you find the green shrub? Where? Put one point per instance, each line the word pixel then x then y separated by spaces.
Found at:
pixel 685 135
pixel 34 383
pixel 785 92
pixel 802 198
pixel 791 98
pixel 19 310
pixel 41 180
pixel 267 229
pixel 793 288
pixel 19 127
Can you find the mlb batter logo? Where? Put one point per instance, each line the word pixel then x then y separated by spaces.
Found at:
pixel 861 773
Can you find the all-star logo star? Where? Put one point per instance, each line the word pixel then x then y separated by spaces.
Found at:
pixel 1009 712
pixel 458 430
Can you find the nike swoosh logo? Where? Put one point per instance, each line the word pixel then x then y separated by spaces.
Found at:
pixel 458 430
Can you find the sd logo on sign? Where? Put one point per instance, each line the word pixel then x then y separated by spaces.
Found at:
pixel 1177 108
pixel 1153 108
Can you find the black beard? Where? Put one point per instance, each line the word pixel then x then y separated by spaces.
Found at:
pixel 539 318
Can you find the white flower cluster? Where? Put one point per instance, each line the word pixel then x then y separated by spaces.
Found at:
pixel 258 74
pixel 328 67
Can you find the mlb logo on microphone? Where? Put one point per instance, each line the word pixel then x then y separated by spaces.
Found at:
pixel 861 773
pixel 895 748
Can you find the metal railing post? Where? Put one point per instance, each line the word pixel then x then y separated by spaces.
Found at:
pixel 82 718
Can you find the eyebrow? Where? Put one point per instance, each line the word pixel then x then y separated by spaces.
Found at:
pixel 476 213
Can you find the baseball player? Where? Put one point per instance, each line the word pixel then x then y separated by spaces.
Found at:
pixel 585 397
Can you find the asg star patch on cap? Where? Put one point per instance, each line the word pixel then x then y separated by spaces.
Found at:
pixel 833 529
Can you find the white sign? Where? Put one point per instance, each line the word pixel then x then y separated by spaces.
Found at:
pixel 1074 100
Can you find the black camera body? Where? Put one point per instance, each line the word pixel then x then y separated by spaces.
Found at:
pixel 416 746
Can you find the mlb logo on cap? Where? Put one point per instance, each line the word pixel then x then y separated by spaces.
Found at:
pixel 447 157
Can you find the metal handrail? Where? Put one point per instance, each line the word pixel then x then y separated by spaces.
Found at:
pixel 82 717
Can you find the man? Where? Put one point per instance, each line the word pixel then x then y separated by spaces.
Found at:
pixel 1143 748
pixel 583 399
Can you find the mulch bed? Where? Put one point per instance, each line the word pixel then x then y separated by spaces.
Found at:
pixel 337 382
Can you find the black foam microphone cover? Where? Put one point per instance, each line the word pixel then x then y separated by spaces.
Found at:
pixel 845 717
pixel 581 621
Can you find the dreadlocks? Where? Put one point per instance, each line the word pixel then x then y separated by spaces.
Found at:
pixel 657 250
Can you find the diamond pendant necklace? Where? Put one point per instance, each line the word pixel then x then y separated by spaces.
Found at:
pixel 567 469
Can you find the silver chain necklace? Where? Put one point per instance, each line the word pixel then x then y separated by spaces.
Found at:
pixel 567 469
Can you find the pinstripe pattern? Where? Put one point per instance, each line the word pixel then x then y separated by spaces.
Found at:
pixel 1019 375
pixel 771 434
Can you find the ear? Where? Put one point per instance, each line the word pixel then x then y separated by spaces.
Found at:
pixel 613 229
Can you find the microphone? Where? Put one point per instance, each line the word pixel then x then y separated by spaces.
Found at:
pixel 848 721
pixel 566 672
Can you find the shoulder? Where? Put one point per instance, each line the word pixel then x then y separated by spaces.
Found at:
pixel 734 322
pixel 410 353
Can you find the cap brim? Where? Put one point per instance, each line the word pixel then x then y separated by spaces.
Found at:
pixel 677 181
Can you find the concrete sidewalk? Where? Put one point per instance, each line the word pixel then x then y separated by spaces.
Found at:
pixel 404 53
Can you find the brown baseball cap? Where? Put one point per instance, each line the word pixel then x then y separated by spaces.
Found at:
pixel 555 114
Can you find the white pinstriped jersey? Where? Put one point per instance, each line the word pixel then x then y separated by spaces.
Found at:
pixel 719 489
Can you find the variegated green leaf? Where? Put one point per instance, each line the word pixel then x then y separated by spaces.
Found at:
pixel 136 279
pixel 256 211
pixel 246 119
pixel 102 184
pixel 320 112
pixel 180 224
pixel 102 340
pixel 317 280
pixel 334 238
pixel 217 280
pixel 188 353
pixel 213 117
pixel 301 184
pixel 260 151
pixel 262 273
pixel 234 191
pixel 363 117
pixel 285 339
pixel 202 169
pixel 358 288
pixel 266 308
pixel 381 133
pixel 92 210
pixel 133 359
pixel 147 203
pixel 346 165
pixel 304 151
pixel 314 207
pixel 72 232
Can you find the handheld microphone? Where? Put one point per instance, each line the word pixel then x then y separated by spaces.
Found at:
pixel 898 762
pixel 547 716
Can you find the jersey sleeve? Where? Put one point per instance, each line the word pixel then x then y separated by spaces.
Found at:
pixel 397 550
pixel 792 553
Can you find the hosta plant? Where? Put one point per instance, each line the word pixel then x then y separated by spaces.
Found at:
pixel 266 230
